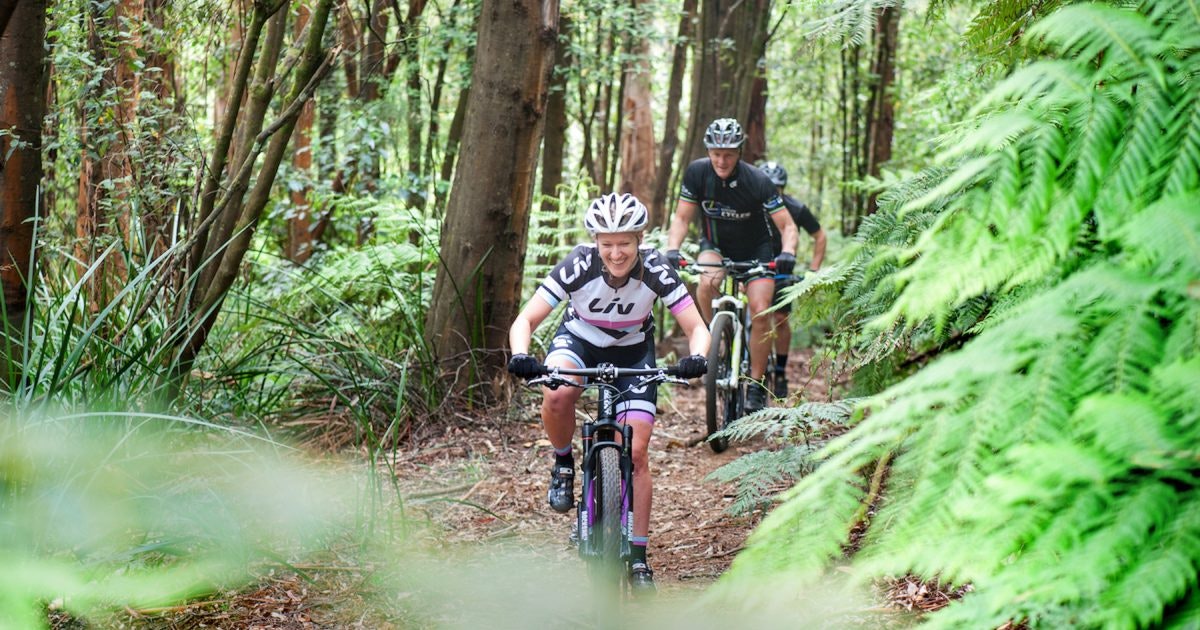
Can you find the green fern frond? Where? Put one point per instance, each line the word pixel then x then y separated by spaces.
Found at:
pixel 792 424
pixel 759 475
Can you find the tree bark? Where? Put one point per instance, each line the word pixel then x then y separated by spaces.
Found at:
pixel 22 107
pixel 638 148
pixel 723 75
pixel 755 124
pixel 478 286
pixel 208 295
pixel 666 151
pixel 105 171
pixel 553 154
pixel 299 245
pixel 882 114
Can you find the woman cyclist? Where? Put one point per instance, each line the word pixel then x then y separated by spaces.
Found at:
pixel 610 288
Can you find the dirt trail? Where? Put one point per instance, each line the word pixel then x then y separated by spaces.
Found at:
pixel 692 538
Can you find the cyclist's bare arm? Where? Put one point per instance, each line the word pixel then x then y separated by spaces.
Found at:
pixel 693 326
pixel 685 211
pixel 519 334
pixel 818 249
pixel 787 228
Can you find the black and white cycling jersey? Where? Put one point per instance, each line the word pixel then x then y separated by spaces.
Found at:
pixel 607 316
pixel 735 212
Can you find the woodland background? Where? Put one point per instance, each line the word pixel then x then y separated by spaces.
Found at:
pixel 271 221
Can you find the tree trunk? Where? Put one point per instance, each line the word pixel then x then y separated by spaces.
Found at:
pixel 22 108
pixel 208 294
pixel 299 245
pixel 755 124
pixel 478 287
pixel 723 75
pixel 666 151
pixel 882 115
pixel 105 169
pixel 637 131
pixel 553 147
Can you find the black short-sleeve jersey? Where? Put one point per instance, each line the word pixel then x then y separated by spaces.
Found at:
pixel 605 316
pixel 801 215
pixel 735 212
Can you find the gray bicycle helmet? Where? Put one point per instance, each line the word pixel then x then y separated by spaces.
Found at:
pixel 775 172
pixel 613 213
pixel 724 133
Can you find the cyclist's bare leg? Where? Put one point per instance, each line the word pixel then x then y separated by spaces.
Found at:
pixel 760 292
pixel 643 486
pixel 709 284
pixel 783 334
pixel 558 407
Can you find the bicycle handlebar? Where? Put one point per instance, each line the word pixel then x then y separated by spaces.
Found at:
pixel 554 377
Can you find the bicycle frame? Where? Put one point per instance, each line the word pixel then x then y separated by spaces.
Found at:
pixel 731 321
pixel 598 436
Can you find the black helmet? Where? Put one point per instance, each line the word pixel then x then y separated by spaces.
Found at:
pixel 775 172
pixel 724 133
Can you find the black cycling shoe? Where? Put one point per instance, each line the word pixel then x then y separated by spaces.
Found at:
pixel 641 580
pixel 562 488
pixel 756 397
pixel 781 385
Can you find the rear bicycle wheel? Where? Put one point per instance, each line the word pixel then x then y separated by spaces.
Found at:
pixel 606 564
pixel 722 402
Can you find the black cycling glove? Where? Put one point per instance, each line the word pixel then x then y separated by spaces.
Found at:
pixel 785 264
pixel 693 366
pixel 524 366
pixel 675 258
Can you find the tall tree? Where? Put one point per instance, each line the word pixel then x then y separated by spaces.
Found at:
pixel 881 107
pixel 108 111
pixel 23 78
pixel 670 141
pixel 226 221
pixel 298 247
pixel 478 287
pixel 730 41
pixel 554 144
pixel 637 145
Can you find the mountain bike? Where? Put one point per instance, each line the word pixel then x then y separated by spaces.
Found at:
pixel 604 516
pixel 729 351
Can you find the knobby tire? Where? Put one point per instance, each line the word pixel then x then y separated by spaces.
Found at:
pixel 607 568
pixel 722 405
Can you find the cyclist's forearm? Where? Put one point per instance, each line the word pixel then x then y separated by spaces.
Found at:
pixel 818 250
pixel 519 335
pixel 679 224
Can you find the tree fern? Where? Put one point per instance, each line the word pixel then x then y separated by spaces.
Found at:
pixel 1051 461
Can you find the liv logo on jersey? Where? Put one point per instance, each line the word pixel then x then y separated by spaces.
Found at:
pixel 579 266
pixel 622 309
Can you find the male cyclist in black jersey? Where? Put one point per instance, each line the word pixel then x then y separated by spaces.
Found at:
pixel 803 218
pixel 610 288
pixel 737 202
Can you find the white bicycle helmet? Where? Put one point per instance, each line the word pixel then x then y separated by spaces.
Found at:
pixel 613 213
pixel 775 172
pixel 724 133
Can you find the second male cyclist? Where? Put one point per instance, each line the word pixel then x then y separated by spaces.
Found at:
pixel 736 201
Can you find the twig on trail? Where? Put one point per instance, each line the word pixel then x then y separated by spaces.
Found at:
pixel 696 440
pixel 502 532
pixel 472 490
pixel 141 612
pixel 333 567
pixel 728 553
pixel 437 493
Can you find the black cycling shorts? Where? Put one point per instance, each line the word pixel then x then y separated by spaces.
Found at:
pixel 761 252
pixel 636 403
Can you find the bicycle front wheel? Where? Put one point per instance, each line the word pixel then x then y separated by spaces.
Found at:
pixel 606 564
pixel 722 401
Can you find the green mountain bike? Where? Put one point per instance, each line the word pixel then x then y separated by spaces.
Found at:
pixel 729 351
